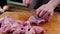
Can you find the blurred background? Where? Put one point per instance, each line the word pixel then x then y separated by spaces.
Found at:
pixel 35 4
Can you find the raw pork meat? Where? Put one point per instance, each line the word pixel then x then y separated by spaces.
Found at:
pixel 35 20
pixel 9 25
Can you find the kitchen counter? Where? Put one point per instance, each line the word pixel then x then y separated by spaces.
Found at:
pixel 51 27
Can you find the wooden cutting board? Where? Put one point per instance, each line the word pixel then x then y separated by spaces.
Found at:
pixel 51 27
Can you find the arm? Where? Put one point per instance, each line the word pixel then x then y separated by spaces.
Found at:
pixel 54 2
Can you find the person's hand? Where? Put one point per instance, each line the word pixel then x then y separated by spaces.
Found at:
pixel 6 7
pixel 27 2
pixel 45 11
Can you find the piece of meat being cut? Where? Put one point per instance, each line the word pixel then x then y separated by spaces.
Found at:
pixel 35 20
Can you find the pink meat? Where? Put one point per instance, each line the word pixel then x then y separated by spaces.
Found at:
pixel 13 24
pixel 24 29
pixel 18 27
pixel 17 31
pixel 31 31
pixel 34 30
pixel 40 21
pixel 1 20
pixel 27 23
pixel 38 30
pixel 26 26
pixel 33 19
pixel 4 29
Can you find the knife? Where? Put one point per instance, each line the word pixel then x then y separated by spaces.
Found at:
pixel 33 18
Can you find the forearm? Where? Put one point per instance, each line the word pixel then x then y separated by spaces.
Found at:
pixel 54 2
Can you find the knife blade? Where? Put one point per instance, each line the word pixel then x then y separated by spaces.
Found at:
pixel 33 18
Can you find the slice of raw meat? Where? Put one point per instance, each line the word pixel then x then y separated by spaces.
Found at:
pixel 13 24
pixel 35 30
pixel 4 29
pixel 40 21
pixel 30 31
pixel 35 20
pixel 17 31
pixel 32 19
pixel 38 30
